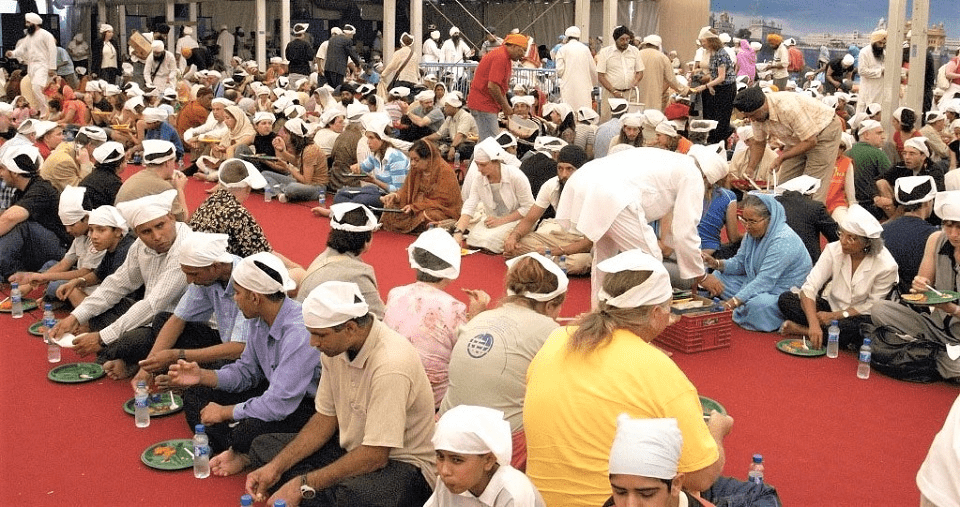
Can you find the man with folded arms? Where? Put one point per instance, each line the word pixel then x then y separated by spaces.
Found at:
pixel 186 333
pixel 369 441
pixel 271 387
pixel 117 321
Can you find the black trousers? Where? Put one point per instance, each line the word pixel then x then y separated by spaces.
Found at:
pixel 719 106
pixel 240 435
pixel 135 344
pixel 850 337
pixel 398 484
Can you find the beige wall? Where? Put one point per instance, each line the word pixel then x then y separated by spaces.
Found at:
pixel 680 22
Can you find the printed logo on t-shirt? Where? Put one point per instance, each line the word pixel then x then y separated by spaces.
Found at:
pixel 479 345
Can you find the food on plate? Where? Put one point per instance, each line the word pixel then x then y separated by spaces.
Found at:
pixel 915 297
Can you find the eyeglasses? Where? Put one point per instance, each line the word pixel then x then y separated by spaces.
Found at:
pixel 750 222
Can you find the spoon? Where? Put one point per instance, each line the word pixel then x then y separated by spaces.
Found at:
pixel 173 402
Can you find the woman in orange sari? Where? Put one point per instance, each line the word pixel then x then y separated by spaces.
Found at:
pixel 430 194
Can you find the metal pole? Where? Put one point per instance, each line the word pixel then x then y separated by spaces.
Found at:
pixel 416 26
pixel 284 26
pixel 262 34
pixel 389 29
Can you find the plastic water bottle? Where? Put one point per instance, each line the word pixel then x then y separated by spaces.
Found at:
pixel 755 473
pixel 717 305
pixel 142 405
pixel 16 301
pixel 53 350
pixel 863 369
pixel 546 253
pixel 201 453
pixel 323 199
pixel 246 501
pixel 267 193
pixel 833 340
pixel 280 503
pixel 456 162
pixel 563 264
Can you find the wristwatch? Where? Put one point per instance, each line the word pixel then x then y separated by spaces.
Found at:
pixel 306 492
pixel 846 314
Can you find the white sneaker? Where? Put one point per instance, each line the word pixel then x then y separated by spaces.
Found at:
pixel 282 197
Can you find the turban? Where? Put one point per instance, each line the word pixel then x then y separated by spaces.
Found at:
pixel 333 303
pixel 202 249
pixel 263 273
pixel 71 205
pixel 919 144
pixel 33 18
pixel 878 35
pixel 712 161
pixel 109 152
pixel 158 151
pixel 749 100
pixel 108 216
pixel 774 39
pixel 149 207
pixel 473 430
pixel 516 39
pixel 646 447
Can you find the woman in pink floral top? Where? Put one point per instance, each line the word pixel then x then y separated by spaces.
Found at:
pixel 424 313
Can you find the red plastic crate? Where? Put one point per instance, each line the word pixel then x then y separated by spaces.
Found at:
pixel 697 332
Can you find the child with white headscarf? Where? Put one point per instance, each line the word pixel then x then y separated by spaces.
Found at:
pixel 473 462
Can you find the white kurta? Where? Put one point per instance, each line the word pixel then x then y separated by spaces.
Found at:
pixel 638 185
pixel 226 40
pixel 577 71
pixel 871 79
pixel 39 52
pixel 455 52
pixel 431 52
pixel 162 77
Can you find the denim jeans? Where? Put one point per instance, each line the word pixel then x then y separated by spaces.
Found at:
pixel 50 293
pixel 487 124
pixel 27 247
pixel 294 190
pixel 368 195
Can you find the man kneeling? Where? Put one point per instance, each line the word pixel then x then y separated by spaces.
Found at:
pixel 374 396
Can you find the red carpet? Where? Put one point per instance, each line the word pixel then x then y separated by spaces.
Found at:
pixel 828 438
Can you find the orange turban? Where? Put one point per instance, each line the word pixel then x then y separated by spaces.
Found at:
pixel 516 39
pixel 774 39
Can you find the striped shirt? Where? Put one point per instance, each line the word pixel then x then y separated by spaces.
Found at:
pixel 793 118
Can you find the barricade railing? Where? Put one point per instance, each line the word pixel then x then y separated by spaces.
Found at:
pixel 458 76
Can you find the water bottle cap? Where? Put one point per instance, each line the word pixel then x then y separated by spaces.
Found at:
pixel 142 383
pixel 833 322
pixel 48 307
pixel 867 341
pixel 280 503
pixel 15 285
pixel 246 500
pixel 200 428
pixel 758 458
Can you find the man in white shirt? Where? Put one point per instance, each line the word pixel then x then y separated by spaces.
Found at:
pixel 619 70
pixel 577 71
pixel 225 40
pixel 160 69
pixel 431 48
pixel 185 41
pixel 870 69
pixel 38 50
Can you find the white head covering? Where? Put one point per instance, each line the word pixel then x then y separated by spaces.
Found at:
pixel 154 114
pixel 919 144
pixel 653 117
pixel 441 244
pixel 202 249
pixel 617 105
pixel 425 95
pixel 587 114
pixel 632 120
pixel 399 91
pixel 453 100
pixel 43 127
pixel 333 303
pixel 667 128
pixel 873 108
pixel 149 207
pixel 646 447
pixel 702 125
pixel 294 111
pixel 506 139
pixel 867 126
pixel 572 31
pixel 915 189
pixel 861 222
pixel 108 152
pixel 712 160
pixel 847 60
pixel 22 159
pixel 756 46
pixel 468 429
pixel 549 265
pixel 330 114
pixel 489 150
pixel 133 102
pixel 34 18
pixel 297 127
pixel 276 59
pixel 745 132
pixel 654 290
pixel 108 216
pixel 71 205
pixel 156 45
pixel 338 210
pixel 28 126
pixel 377 123
pixel 300 28
pixel 947 205
pixel 158 151
pixel 356 110
pixel 653 40
pixel 898 112
pixel 805 184
pixel 349 30
pixel 254 179
pixel 522 99
pixel 263 273
pixel 264 115
pixel 105 28
pixel 846 140
pixel 548 144
pixel 955 124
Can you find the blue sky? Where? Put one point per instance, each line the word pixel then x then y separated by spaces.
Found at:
pixel 800 17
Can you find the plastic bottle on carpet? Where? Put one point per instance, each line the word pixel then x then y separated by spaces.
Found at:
pixel 49 321
pixel 16 301
pixel 563 264
pixel 717 305
pixel 863 369
pixel 142 405
pixel 280 503
pixel 246 501
pixel 755 473
pixel 833 340
pixel 201 453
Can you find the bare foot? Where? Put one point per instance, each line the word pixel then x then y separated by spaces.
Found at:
pixel 792 328
pixel 320 211
pixel 228 463
pixel 117 369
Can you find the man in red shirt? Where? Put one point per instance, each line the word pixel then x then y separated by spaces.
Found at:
pixel 488 92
